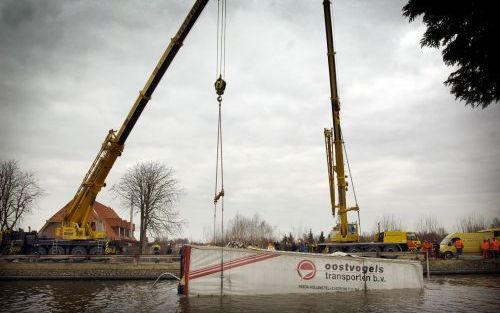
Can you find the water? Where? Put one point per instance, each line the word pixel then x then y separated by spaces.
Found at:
pixel 466 293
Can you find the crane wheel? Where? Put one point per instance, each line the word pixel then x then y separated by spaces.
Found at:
pixel 41 251
pixel 56 250
pixel 391 249
pixel 6 250
pixel 373 249
pixel 79 250
pixel 448 255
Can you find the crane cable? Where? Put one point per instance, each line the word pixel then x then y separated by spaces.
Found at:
pixel 220 86
pixel 350 176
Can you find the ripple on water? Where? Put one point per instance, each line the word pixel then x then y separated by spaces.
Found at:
pixel 469 293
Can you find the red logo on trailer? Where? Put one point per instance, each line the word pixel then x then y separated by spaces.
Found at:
pixel 306 269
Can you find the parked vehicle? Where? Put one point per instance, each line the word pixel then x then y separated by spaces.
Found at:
pixel 20 242
pixel 471 241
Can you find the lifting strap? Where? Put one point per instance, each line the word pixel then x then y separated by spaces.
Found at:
pixel 220 87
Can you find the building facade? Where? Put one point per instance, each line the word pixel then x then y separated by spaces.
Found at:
pixel 115 227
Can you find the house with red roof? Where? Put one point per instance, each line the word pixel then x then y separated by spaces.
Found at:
pixel 116 228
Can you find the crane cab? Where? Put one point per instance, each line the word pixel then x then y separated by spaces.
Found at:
pixel 95 230
pixel 352 233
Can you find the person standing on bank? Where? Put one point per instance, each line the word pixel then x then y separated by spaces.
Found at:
pixel 485 245
pixel 493 248
pixel 496 246
pixel 459 245
pixel 427 248
pixel 435 246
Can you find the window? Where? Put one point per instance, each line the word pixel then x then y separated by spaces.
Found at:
pixel 411 236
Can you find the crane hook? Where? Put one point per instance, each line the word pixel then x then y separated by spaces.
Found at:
pixel 220 86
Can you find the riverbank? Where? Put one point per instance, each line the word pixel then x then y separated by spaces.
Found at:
pixel 70 270
pixel 85 271
pixel 462 266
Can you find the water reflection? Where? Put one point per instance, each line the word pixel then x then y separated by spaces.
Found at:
pixel 446 294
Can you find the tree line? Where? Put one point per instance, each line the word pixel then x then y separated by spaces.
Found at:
pixel 152 191
pixel 150 188
pixel 254 231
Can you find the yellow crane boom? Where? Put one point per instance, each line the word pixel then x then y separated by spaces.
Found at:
pixel 344 232
pixel 75 224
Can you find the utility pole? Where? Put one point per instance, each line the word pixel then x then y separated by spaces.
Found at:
pixel 131 217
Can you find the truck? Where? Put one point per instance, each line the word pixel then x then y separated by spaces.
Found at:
pixel 345 235
pixel 76 234
pixel 406 240
pixel 387 241
pixel 18 242
pixel 14 242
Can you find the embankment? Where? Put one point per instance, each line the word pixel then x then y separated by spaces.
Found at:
pixel 85 271
pixel 449 267
pixel 151 271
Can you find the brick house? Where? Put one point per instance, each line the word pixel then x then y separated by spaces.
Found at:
pixel 116 228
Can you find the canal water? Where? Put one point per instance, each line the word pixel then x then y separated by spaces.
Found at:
pixel 461 293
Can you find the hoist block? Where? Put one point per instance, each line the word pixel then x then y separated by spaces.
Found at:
pixel 220 86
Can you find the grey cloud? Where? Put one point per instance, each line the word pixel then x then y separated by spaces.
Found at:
pixel 71 70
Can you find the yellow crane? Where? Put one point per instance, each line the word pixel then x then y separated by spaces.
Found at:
pixel 75 224
pixel 345 236
pixel 343 231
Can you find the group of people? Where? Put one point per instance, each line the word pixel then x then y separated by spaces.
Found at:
pixel 156 247
pixel 490 248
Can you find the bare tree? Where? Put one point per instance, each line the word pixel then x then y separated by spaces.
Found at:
pixel 19 192
pixel 152 190
pixel 367 237
pixel 254 231
pixel 471 223
pixel 495 222
pixel 389 222
pixel 429 228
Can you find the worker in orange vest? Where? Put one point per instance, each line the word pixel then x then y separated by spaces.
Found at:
pixel 459 245
pixel 485 245
pixel 494 248
pixel 427 248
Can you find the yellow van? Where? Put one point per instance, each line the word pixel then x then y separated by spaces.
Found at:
pixel 471 241
pixel 494 230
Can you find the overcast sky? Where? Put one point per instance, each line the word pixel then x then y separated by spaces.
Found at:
pixel 70 71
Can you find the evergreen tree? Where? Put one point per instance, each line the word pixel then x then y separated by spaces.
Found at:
pixel 321 238
pixel 467 30
pixel 310 237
